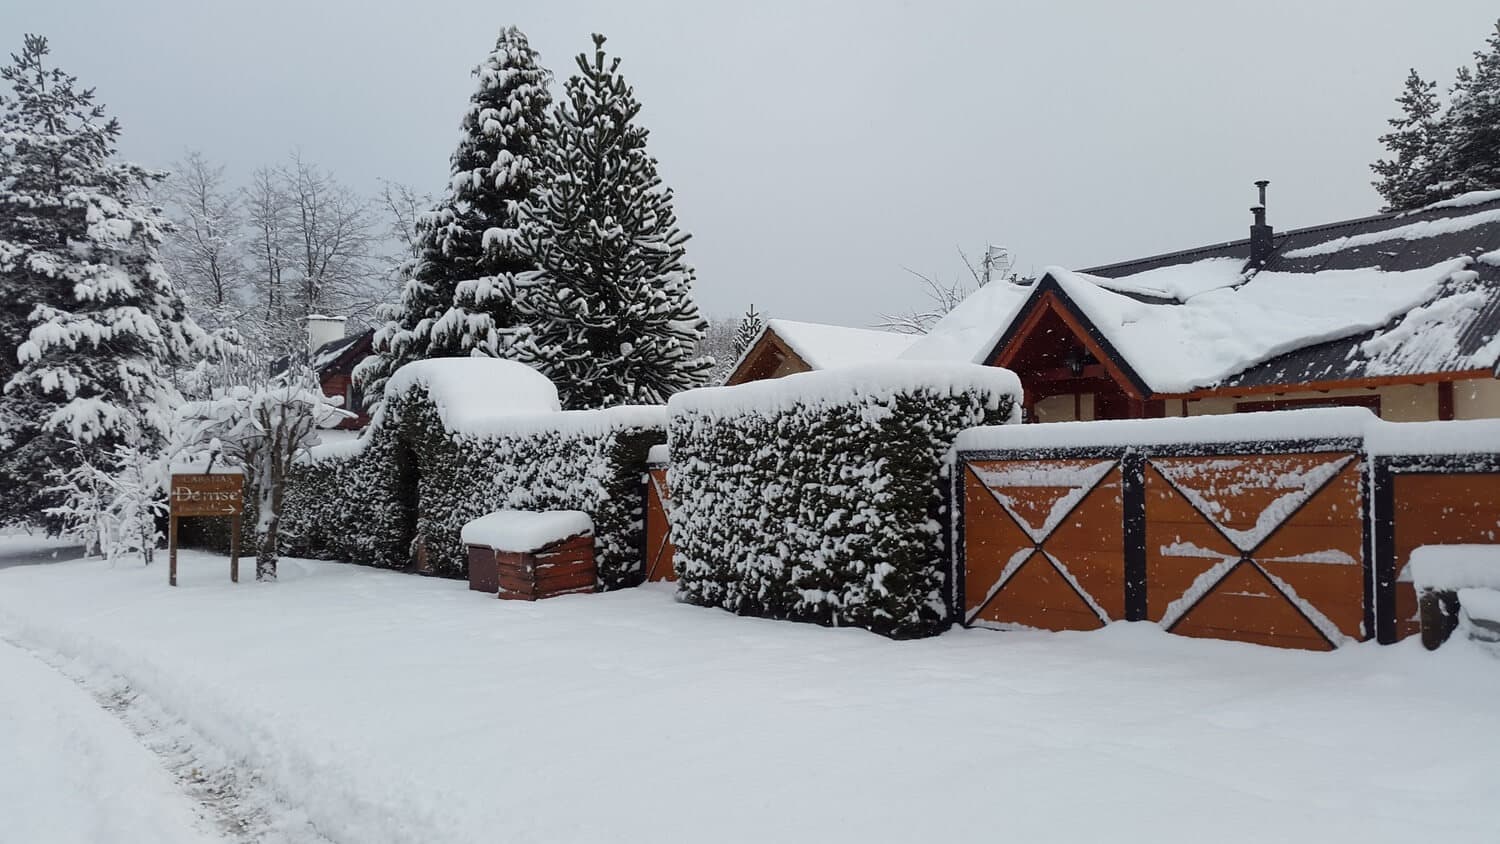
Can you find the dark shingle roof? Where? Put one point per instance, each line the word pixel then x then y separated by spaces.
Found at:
pixel 1465 228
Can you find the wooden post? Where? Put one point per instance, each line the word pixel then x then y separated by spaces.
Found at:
pixel 206 495
pixel 234 549
pixel 172 550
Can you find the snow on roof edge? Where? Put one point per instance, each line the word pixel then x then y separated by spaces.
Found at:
pixel 834 385
pixel 828 346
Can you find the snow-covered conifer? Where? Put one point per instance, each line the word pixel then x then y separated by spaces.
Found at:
pixel 1470 145
pixel 746 332
pixel 90 325
pixel 610 312
pixel 1404 176
pixel 1440 152
pixel 457 298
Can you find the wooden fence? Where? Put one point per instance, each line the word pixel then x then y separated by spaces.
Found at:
pixel 1299 542
pixel 1296 543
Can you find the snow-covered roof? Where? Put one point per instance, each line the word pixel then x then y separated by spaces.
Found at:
pixel 1396 294
pixel 832 346
pixel 329 353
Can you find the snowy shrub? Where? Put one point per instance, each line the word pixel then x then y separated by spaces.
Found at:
pixel 116 512
pixel 353 502
pixel 818 497
pixel 443 451
pixel 263 430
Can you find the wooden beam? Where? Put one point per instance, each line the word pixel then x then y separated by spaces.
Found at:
pixel 767 343
pixel 1091 372
pixel 1048 302
pixel 1445 401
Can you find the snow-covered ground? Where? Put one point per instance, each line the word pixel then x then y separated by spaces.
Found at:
pixel 390 708
pixel 70 771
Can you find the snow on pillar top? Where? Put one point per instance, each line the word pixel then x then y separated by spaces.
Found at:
pixel 323 329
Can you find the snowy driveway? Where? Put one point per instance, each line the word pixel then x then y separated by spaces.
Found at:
pixel 73 774
pixel 392 708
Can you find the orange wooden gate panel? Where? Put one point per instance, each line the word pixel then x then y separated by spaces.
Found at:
pixel 1042 544
pixel 1264 548
pixel 1438 509
pixel 659 548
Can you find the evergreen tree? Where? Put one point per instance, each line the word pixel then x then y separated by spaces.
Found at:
pixel 457 297
pixel 1438 153
pixel 748 329
pixel 1404 176
pixel 1470 147
pixel 90 324
pixel 610 311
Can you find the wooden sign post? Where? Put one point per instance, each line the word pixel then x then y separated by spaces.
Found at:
pixel 207 495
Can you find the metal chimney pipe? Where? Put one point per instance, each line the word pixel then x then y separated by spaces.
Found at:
pixel 1262 186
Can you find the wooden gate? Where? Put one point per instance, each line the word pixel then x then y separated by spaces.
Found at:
pixel 1264 548
pixel 1427 500
pixel 1042 543
pixel 659 548
pixel 1263 543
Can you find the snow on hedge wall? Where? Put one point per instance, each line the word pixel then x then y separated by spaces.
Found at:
pixel 446 450
pixel 816 497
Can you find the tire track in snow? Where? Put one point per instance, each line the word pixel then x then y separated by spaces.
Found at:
pixel 236 801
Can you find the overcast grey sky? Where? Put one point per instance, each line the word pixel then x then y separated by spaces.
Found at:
pixel 817 148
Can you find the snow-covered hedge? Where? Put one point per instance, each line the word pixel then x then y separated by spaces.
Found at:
pixel 816 497
pixel 462 437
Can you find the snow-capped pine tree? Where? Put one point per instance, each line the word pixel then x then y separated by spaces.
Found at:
pixel 456 300
pixel 746 332
pixel 1412 141
pixel 1470 145
pixel 92 326
pixel 610 310
pixel 1438 153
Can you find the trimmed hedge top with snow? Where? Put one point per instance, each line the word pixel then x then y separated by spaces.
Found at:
pixel 472 394
pixel 816 497
pixel 828 388
pixel 461 437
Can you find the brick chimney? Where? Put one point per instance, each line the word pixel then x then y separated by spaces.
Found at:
pixel 323 329
pixel 1262 244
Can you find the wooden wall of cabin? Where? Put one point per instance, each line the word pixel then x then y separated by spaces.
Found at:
pixel 1470 399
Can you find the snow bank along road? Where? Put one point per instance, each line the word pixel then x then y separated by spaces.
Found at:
pixel 394 708
pixel 71 773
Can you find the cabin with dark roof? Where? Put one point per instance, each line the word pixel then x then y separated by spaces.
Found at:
pixel 334 362
pixel 1399 313
pixel 333 354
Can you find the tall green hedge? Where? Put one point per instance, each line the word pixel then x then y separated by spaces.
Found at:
pixel 414 480
pixel 818 497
